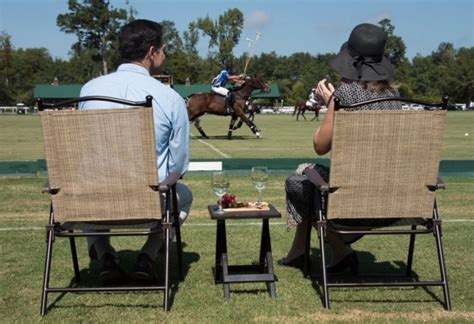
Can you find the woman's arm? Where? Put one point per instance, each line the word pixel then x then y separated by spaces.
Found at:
pixel 323 135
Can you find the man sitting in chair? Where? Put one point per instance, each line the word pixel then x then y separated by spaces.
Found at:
pixel 218 86
pixel 141 49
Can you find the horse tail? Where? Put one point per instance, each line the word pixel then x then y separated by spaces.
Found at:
pixel 294 111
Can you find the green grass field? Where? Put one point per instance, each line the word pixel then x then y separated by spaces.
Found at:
pixel 283 137
pixel 24 212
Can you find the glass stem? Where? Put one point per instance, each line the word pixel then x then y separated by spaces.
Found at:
pixel 220 204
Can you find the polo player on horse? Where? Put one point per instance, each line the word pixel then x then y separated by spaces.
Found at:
pixel 312 100
pixel 218 87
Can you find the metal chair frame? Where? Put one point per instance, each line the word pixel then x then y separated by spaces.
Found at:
pixel 55 229
pixel 323 191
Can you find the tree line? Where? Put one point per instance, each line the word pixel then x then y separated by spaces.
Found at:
pixel 446 71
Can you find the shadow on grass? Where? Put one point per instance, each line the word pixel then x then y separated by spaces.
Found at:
pixel 89 277
pixel 369 271
pixel 224 137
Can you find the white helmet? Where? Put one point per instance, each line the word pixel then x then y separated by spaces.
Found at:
pixel 313 90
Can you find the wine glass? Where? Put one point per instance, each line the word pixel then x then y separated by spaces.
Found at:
pixel 259 178
pixel 220 184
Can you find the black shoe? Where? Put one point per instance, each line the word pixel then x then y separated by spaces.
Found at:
pixel 297 262
pixel 109 270
pixel 349 261
pixel 144 268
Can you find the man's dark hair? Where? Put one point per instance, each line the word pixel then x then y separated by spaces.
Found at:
pixel 136 37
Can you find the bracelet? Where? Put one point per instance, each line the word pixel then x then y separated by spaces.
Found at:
pixel 330 98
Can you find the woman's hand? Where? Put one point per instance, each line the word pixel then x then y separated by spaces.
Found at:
pixel 325 91
pixel 322 137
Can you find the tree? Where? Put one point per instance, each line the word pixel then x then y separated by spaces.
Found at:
pixel 193 61
pixel 395 48
pixel 174 48
pixel 424 76
pixel 96 23
pixel 6 70
pixel 32 66
pixel 224 33
pixel 459 77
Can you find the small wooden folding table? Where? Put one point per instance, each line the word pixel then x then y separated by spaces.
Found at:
pixel 260 272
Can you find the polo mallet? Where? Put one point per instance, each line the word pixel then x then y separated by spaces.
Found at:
pixel 251 45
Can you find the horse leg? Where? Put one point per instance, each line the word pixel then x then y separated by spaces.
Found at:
pixel 197 124
pixel 251 116
pixel 231 126
pixel 239 124
pixel 315 116
pixel 251 125
pixel 302 114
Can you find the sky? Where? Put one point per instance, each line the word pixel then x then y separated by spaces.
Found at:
pixel 288 26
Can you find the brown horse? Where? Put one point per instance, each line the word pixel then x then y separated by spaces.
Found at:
pixel 211 103
pixel 301 107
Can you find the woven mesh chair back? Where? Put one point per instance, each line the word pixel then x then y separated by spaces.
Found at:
pixel 383 162
pixel 102 162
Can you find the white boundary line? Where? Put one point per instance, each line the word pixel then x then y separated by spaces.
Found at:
pixel 36 228
pixel 215 149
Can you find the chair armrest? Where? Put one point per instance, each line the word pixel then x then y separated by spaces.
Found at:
pixel 316 179
pixel 440 184
pixel 170 181
pixel 46 188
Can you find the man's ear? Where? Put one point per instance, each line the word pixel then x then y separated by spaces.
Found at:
pixel 151 51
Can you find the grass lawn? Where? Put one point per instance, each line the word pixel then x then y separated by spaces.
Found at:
pixel 282 136
pixel 23 214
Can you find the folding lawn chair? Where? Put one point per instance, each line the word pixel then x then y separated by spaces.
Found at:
pixel 103 175
pixel 384 164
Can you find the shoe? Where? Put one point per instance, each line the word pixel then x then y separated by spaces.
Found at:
pixel 297 262
pixel 349 261
pixel 109 270
pixel 144 268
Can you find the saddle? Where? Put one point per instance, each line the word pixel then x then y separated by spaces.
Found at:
pixel 218 98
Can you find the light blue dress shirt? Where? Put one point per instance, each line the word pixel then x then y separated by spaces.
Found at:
pixel 133 82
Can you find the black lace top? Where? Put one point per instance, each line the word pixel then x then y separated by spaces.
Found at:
pixel 354 92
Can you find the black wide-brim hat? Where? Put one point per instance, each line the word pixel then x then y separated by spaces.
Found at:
pixel 361 57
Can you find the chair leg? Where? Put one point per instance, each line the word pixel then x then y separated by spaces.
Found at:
pixel 307 248
pixel 442 267
pixel 179 248
pixel 323 265
pixel 167 268
pixel 75 263
pixel 47 271
pixel 177 225
pixel 411 248
pixel 167 252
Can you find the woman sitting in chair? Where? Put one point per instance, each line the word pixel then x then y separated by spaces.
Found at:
pixel 365 75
